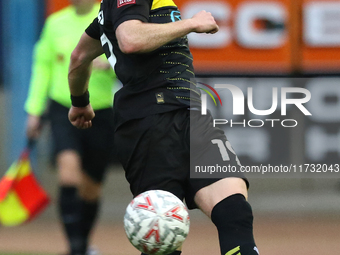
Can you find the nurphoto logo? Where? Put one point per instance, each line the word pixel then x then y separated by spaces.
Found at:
pixel 299 96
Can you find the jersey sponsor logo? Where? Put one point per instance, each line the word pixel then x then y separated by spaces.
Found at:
pixel 160 98
pixel 121 3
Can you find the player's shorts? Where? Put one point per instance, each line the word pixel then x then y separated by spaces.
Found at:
pixel 155 152
pixel 95 145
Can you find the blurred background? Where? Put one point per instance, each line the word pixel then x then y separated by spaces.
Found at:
pixel 261 44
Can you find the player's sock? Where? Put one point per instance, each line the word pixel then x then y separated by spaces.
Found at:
pixel 69 209
pixel 173 253
pixel 233 218
pixel 89 211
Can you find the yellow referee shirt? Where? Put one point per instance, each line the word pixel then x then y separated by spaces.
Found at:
pixel 51 59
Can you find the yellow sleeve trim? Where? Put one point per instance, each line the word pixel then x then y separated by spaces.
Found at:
pixel 162 3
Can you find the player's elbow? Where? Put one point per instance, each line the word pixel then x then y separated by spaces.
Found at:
pixel 75 58
pixel 78 58
pixel 129 45
pixel 126 48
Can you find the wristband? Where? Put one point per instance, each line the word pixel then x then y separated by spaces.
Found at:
pixel 81 101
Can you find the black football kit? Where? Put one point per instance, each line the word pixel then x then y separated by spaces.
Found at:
pixel 160 133
pixel 154 126
pixel 155 82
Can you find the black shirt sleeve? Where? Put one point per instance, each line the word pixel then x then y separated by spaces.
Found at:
pixel 138 10
pixel 93 30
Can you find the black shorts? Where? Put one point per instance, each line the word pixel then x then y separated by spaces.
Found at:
pixel 155 153
pixel 95 145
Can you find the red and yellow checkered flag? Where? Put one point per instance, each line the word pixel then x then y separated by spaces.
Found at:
pixel 21 196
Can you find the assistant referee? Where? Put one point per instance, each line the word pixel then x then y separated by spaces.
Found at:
pixel 81 156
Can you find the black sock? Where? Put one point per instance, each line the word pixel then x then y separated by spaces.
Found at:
pixel 233 218
pixel 89 211
pixel 172 253
pixel 70 212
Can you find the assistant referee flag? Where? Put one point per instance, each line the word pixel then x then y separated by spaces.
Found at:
pixel 21 196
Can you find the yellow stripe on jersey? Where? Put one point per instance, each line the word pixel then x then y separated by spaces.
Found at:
pixel 162 3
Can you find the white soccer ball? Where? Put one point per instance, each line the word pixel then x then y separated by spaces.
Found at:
pixel 156 222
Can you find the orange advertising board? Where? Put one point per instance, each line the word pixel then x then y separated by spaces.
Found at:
pixel 254 36
pixel 263 36
pixel 320 51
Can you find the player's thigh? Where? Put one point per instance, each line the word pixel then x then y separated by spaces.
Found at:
pixel 153 153
pixel 210 149
pixel 207 197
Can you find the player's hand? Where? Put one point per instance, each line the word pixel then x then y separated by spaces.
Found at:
pixel 204 23
pixel 81 117
pixel 33 127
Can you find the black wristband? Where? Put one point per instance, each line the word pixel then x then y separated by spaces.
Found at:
pixel 81 101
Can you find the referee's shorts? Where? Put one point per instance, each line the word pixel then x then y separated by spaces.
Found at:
pixel 155 152
pixel 94 145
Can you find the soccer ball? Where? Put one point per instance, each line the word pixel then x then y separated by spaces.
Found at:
pixel 156 222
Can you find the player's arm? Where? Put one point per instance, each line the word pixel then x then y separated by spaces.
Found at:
pixel 135 36
pixel 87 49
pixel 80 66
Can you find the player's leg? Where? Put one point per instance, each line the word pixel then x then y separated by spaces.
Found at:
pixel 207 197
pixel 222 196
pixel 153 155
pixel 225 202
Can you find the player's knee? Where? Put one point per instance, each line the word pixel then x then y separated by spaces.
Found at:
pixel 210 196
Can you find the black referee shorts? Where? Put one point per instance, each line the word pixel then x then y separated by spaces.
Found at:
pixel 95 145
pixel 155 153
